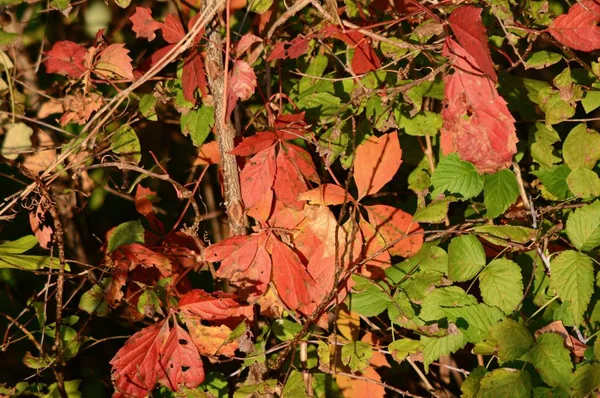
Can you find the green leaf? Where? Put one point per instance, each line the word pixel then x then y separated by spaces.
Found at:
pixel 555 180
pixel 552 360
pixel 435 212
pixel 316 67
pixel 125 234
pixel 585 380
pixel 11 255
pixel 264 388
pixel 198 124
pixel 503 235
pixel 505 382
pixel 400 349
pixel 149 304
pixel 16 139
pixel 391 51
pixel 357 355
pixel 474 320
pixel 584 183
pixel 591 98
pixel 499 192
pixel 457 177
pixel 501 284
pixel 421 124
pixel 294 386
pixel 583 227
pixel 123 3
pixel 259 6
pixel 370 301
pixel 512 339
pixel 7 38
pixel 435 347
pixel 470 386
pixel 581 148
pixel 147 107
pixel 466 258
pixel 542 59
pixel 320 104
pixel 93 301
pixel 435 304
pixel 125 142
pixel 572 277
pixel 216 384
pixel 556 109
pixel 285 330
pixel 541 141
pixel 18 246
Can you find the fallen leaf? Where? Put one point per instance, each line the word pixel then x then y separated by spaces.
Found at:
pixel 66 58
pixel 144 25
pixel 376 162
pixel 578 28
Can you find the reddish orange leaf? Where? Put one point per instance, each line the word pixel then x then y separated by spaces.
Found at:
pixel 301 158
pixel 211 340
pixel 180 361
pixel 258 176
pixel 138 254
pixel 365 59
pixel 352 387
pixel 245 42
pixel 477 123
pixel 374 245
pixel 290 277
pixel 113 62
pixel 66 58
pixel 289 182
pixel 172 29
pixel 255 143
pixel 208 154
pixel 143 23
pixel 242 83
pixel 466 24
pixel 394 225
pixel 193 76
pixel 376 162
pixel 218 306
pixel 144 198
pixel 378 359
pixel 578 28
pixel 135 367
pixel 326 194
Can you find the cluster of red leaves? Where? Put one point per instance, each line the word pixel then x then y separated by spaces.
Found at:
pixel 477 123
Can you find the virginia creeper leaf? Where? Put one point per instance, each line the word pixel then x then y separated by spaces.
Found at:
pixel 376 161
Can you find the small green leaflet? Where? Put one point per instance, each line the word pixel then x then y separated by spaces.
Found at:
pixel 457 177
pixel 11 255
pixel 501 284
pixel 147 107
pixel 555 180
pixel 541 141
pixel 197 124
pixel 474 320
pixel 503 235
pixel 294 386
pixel 357 355
pixel 542 59
pixel 584 183
pixel 260 6
pixel 435 305
pixel 370 301
pixel 499 192
pixel 505 382
pixel 512 339
pixel 435 212
pixel 556 109
pixel 400 349
pixel 552 360
pixel 581 148
pixel 125 142
pixel 466 258
pixel 435 347
pixel 125 234
pixel 572 278
pixel 583 227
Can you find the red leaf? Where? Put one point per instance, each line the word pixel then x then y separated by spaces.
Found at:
pixel 193 76
pixel 303 161
pixel 172 29
pixel 144 198
pixel 257 176
pixel 255 143
pixel 394 225
pixel 289 182
pixel 135 368
pixel 578 28
pixel 326 194
pixel 225 248
pixel 377 161
pixel 477 123
pixel 113 61
pixel 143 23
pixel 66 58
pixel 278 52
pixel 138 254
pixel 180 361
pixel 298 47
pixel 294 285
pixel 245 42
pixel 214 307
pixel 208 154
pixel 365 59
pixel 159 54
pixel 242 83
pixel 466 24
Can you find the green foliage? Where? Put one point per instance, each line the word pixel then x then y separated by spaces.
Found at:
pixel 466 258
pixel 457 177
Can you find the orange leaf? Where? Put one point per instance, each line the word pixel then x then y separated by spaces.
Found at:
pixel 211 340
pixel 289 183
pixel 578 28
pixel 208 154
pixel 218 306
pixel 352 387
pixel 143 23
pixel 258 176
pixel 294 285
pixel 377 161
pixel 394 225
pixel 326 194
pixel 113 62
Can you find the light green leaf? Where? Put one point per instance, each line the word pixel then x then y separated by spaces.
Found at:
pixel 583 227
pixel 357 355
pixel 7 38
pixel 324 103
pixel 294 386
pixel 541 141
pixel 435 347
pixel 503 235
pixel 457 177
pixel 125 142
pixel 473 320
pixel 123 3
pixel 18 246
pixel 585 380
pixel 260 6
pixel 591 98
pixel 93 301
pixel 391 51
pixel 470 386
pixel 501 284
pixel 198 124
pixel 369 302
pixel 505 382
pixel 285 330
pixel 400 349
pixel 264 388
pixel 147 107
pixel 125 234
pixel 216 384
pixel 466 258
pixel 555 180
pixel 584 183
pixel 316 67
pixel 28 262
pixel 512 339
pixel 16 140
pixel 556 109
pixel 421 124
pixel 572 277
pixel 435 212
pixel 581 148
pixel 552 360
pixel 435 304
pixel 542 59
pixel 499 192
